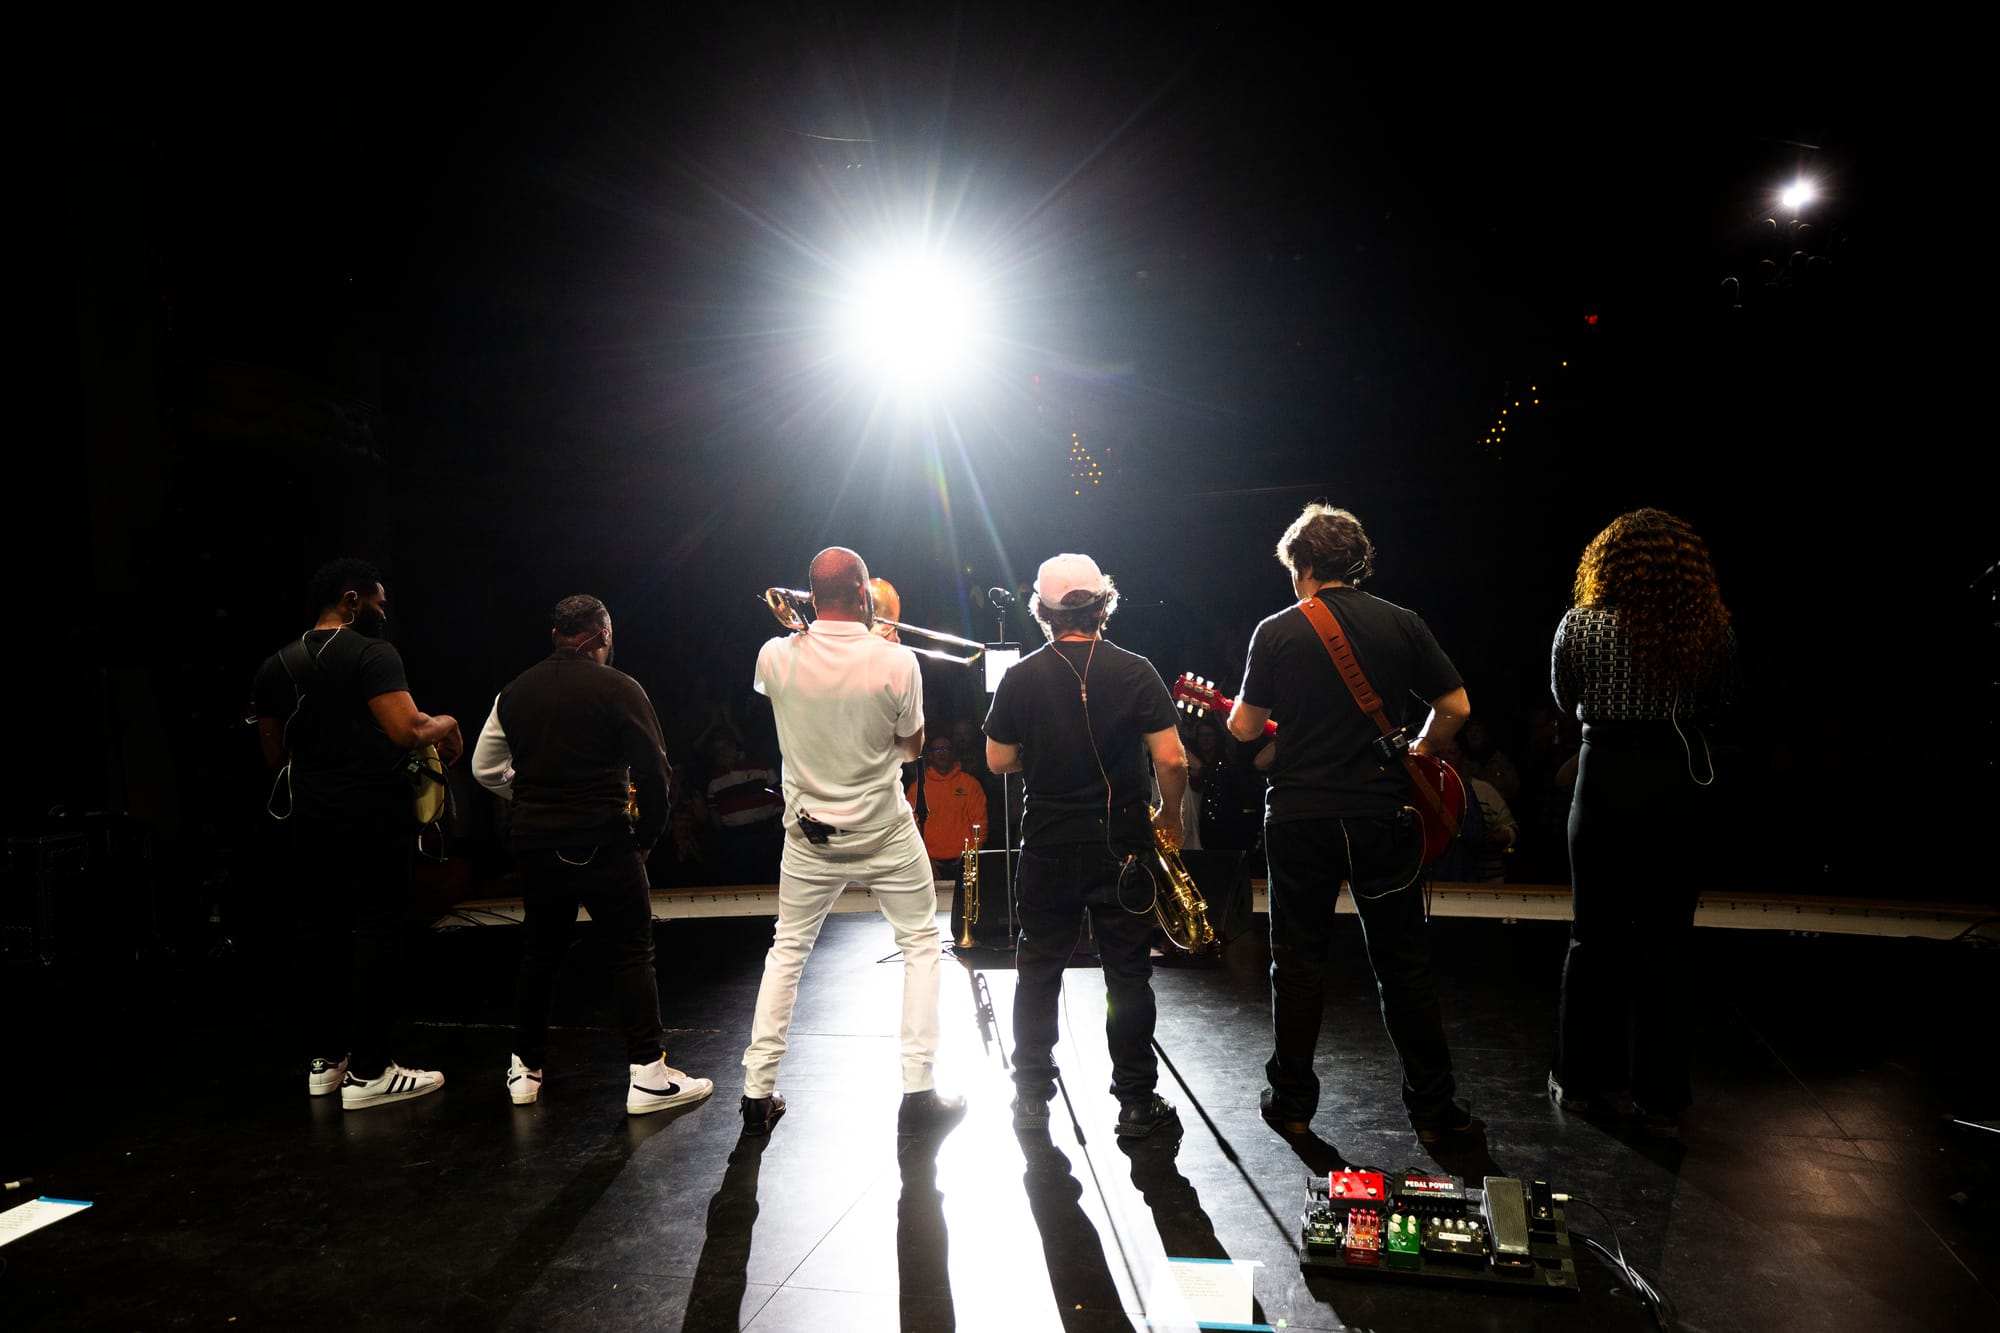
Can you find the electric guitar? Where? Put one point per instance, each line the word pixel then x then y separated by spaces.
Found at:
pixel 1440 803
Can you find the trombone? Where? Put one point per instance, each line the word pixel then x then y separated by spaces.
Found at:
pixel 791 606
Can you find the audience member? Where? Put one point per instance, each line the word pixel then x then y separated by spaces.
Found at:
pixel 968 746
pixel 950 804
pixel 1545 797
pixel 747 810
pixel 1487 832
pixel 1232 804
pixel 1485 761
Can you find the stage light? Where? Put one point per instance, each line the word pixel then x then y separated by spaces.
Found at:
pixel 1797 196
pixel 913 319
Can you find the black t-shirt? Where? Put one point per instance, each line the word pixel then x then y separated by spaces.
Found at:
pixel 1325 766
pixel 1040 707
pixel 343 767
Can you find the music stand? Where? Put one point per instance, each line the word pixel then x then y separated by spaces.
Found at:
pixel 999 659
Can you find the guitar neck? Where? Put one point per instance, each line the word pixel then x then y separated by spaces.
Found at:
pixel 1270 727
pixel 1198 697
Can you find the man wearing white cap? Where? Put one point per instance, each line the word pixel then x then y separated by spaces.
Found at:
pixel 1080 719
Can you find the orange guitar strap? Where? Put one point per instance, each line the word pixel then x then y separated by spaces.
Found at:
pixel 1328 627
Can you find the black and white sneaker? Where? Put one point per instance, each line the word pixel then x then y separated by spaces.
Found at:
pixel 657 1086
pixel 394 1084
pixel 523 1084
pixel 325 1075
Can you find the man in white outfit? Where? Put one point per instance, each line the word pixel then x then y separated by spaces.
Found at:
pixel 850 712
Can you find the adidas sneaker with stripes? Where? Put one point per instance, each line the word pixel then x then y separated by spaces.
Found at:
pixel 394 1084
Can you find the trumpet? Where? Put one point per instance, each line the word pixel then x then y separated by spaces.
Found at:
pixel 969 890
pixel 790 606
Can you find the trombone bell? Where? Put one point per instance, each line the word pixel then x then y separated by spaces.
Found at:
pixel 789 606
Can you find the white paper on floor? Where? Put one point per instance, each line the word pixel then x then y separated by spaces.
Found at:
pixel 1203 1293
pixel 34 1215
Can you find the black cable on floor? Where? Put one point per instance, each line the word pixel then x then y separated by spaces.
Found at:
pixel 1222 1143
pixel 1655 1300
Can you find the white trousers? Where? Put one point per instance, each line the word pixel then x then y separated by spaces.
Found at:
pixel 894 864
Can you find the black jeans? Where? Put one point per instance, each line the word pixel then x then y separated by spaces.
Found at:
pixel 353 922
pixel 1641 839
pixel 611 883
pixel 1056 886
pixel 1309 859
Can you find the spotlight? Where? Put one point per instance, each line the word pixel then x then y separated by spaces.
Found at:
pixel 1797 195
pixel 913 319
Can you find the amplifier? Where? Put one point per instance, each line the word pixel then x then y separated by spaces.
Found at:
pixel 79 890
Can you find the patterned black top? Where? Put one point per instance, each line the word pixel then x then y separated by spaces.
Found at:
pixel 1594 677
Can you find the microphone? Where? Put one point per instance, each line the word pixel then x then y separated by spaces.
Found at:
pixel 1000 597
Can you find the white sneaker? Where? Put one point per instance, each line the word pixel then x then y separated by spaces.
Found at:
pixel 395 1084
pixel 325 1075
pixel 657 1086
pixel 523 1084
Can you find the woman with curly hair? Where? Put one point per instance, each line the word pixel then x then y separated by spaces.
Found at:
pixel 1643 659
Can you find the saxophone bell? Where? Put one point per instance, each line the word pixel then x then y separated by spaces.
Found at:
pixel 1182 912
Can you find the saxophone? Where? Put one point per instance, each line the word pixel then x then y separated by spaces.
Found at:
pixel 1182 912
pixel 970 883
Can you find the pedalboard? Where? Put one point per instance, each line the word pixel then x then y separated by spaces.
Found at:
pixel 1507 1235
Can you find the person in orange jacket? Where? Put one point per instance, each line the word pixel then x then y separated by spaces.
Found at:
pixel 949 801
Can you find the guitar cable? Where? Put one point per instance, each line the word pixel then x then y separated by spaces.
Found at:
pixel 284 777
pixel 1414 876
pixel 1650 1296
pixel 1673 716
pixel 1133 861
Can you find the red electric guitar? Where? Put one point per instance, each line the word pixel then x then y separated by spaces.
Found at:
pixel 1440 803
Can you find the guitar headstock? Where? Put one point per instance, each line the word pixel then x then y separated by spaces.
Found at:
pixel 1197 696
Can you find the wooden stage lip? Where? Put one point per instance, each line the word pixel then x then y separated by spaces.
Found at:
pixel 1506 902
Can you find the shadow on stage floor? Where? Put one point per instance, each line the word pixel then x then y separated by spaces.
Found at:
pixel 1821 1182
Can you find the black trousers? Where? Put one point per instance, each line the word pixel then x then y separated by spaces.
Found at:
pixel 1642 833
pixel 1056 886
pixel 353 924
pixel 610 881
pixel 1309 859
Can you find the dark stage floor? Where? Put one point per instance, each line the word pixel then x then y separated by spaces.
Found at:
pixel 1820 1183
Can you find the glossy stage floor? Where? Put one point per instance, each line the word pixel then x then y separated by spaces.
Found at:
pixel 1833 1175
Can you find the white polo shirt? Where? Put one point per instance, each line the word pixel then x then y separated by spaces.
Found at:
pixel 842 696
